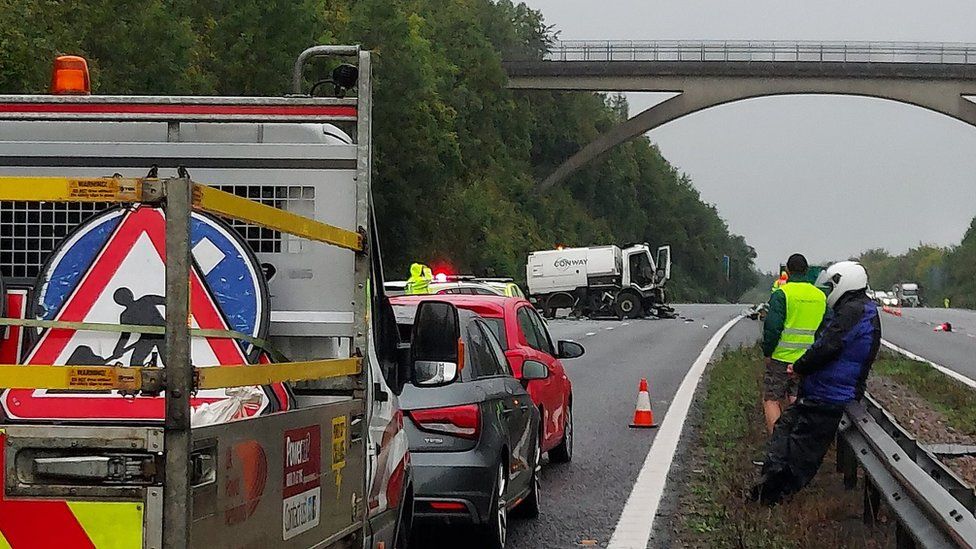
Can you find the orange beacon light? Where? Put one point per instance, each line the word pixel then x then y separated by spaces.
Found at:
pixel 70 76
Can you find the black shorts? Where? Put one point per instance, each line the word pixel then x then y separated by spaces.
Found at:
pixel 777 384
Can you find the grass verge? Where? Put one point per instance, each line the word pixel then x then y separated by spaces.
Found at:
pixel 954 400
pixel 712 510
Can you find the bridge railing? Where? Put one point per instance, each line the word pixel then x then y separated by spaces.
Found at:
pixel 762 51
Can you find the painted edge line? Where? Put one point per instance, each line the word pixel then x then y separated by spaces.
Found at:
pixel 951 373
pixel 636 522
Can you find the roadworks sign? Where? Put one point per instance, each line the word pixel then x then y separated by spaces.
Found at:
pixel 112 271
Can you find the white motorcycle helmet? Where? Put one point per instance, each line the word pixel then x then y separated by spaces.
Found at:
pixel 840 278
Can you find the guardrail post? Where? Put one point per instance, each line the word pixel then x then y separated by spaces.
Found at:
pixel 872 503
pixel 846 462
pixel 177 492
pixel 903 540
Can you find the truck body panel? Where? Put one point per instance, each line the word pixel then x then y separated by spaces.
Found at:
pixel 333 473
pixel 556 270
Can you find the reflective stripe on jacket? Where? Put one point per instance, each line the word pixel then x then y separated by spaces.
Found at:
pixel 805 308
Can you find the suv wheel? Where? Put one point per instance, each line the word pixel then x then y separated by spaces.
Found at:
pixel 496 529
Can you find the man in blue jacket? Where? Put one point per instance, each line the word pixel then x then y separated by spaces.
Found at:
pixel 833 372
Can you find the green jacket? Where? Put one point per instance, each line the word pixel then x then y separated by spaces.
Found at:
pixel 775 321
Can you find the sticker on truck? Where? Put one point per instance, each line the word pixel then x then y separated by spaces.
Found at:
pixel 302 484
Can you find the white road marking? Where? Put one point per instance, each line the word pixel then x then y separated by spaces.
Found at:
pixel 953 374
pixel 590 334
pixel 637 519
pixel 626 324
pixel 609 328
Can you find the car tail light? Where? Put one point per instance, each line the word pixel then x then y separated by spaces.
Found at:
pixel 460 421
pixel 448 506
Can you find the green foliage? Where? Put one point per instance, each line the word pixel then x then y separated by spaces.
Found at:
pixel 924 265
pixel 961 266
pixel 943 272
pixel 457 154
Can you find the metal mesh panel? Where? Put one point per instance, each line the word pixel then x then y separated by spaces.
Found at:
pixel 30 231
pixel 292 198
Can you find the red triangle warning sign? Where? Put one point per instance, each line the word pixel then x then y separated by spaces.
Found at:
pixel 125 284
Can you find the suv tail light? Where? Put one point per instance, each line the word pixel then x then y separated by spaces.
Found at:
pixel 459 421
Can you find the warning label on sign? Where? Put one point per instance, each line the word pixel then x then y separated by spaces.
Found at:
pixel 301 488
pixel 91 378
pixel 97 189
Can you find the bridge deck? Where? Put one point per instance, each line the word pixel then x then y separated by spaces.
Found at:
pixel 763 51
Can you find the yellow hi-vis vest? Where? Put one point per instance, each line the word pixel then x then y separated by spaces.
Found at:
pixel 805 308
pixel 417 284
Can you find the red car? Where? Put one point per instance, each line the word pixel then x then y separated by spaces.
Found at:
pixel 524 336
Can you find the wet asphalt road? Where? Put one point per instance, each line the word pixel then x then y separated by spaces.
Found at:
pixel 583 499
pixel 913 331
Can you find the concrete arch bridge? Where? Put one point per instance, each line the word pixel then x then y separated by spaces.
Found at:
pixel 703 74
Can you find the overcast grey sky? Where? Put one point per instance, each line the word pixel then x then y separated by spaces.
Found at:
pixel 826 176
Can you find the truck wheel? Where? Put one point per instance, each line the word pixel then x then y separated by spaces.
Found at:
pixel 555 302
pixel 628 306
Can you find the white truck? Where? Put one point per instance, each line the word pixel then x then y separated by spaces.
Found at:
pixel 291 175
pixel 908 294
pixel 600 281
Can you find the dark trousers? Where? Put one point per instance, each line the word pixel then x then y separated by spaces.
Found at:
pixel 796 449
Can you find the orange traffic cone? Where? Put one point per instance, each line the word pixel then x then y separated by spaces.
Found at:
pixel 643 415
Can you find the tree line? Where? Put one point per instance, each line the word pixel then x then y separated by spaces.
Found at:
pixel 943 272
pixel 457 155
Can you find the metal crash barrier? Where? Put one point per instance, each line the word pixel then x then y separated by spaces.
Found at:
pixel 932 506
pixel 179 379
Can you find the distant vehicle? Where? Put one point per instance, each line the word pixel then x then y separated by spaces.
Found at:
pixel 908 294
pixel 600 281
pixel 399 287
pixel 507 286
pixel 462 284
pixel 463 287
pixel 525 337
pixel 474 444
pixel 884 298
pixel 395 287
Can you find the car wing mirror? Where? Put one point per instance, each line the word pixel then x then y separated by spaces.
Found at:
pixel 570 349
pixel 436 348
pixel 532 369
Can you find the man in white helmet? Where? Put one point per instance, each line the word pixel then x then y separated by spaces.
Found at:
pixel 833 372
